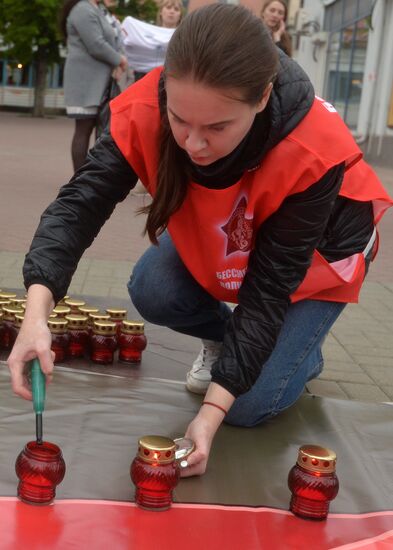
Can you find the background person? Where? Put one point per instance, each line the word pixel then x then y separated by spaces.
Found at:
pixel 146 44
pixel 92 54
pixel 274 14
pixel 248 207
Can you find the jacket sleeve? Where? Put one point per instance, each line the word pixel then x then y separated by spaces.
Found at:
pixel 86 21
pixel 282 254
pixel 69 225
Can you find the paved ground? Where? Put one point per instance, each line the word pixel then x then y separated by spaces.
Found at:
pixel 35 162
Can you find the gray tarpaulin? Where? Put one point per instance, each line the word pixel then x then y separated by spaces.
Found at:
pixel 97 417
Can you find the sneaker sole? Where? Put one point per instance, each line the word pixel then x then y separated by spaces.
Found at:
pixel 195 386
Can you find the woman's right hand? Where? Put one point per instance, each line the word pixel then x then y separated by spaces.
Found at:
pixel 279 32
pixel 34 340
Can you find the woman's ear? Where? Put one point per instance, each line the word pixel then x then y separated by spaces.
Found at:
pixel 265 97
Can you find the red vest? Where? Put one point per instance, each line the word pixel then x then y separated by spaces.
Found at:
pixel 214 230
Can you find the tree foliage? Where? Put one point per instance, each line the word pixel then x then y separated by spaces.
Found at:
pixel 30 28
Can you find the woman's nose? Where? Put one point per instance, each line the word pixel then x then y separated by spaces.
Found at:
pixel 195 142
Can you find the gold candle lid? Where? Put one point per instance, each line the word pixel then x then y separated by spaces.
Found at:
pixel 132 327
pixel 19 319
pixel 317 459
pixel 116 313
pixel 17 302
pixel 10 312
pixel 73 303
pixel 106 328
pixel 98 317
pixel 76 321
pixel 156 449
pixel 58 325
pixel 4 302
pixel 61 311
pixel 7 295
pixel 85 310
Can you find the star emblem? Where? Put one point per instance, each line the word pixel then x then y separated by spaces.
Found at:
pixel 238 229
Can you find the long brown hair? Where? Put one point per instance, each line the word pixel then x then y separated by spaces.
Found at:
pixel 285 40
pixel 64 13
pixel 206 47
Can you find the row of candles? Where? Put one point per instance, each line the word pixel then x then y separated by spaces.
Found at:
pixel 78 330
pixel 155 472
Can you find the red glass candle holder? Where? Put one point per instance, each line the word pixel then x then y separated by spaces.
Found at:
pixel 79 335
pixel 9 332
pixel 40 468
pixel 117 316
pixel 74 304
pixel 1 329
pixel 132 341
pixel 313 482
pixel 155 472
pixel 103 342
pixel 61 311
pixel 60 338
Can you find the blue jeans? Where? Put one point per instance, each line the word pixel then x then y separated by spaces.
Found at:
pixel 165 293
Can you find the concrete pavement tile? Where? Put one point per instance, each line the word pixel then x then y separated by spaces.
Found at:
pixel 345 376
pixel 326 388
pixel 343 366
pixel 382 338
pixel 376 361
pixel 381 375
pixel 364 392
pixel 119 292
pixel 367 349
pixel 336 352
pixel 389 391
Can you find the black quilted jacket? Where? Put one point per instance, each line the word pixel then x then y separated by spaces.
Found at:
pixel 316 218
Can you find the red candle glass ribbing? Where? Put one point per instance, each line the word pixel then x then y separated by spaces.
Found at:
pixel 9 332
pixel 103 342
pixel 40 468
pixel 1 329
pixel 79 335
pixel 313 482
pixel 60 338
pixel 155 472
pixel 132 341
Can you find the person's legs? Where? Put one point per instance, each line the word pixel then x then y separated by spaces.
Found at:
pixel 81 139
pixel 165 293
pixel 296 359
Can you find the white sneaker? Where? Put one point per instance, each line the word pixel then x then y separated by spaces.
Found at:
pixel 198 378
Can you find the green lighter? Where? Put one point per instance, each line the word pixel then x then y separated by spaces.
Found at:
pixel 38 388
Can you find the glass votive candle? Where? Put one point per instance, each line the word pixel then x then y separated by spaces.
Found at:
pixel 1 328
pixel 79 335
pixel 18 322
pixel 117 315
pixel 61 311
pixel 155 472
pixel 7 295
pixel 40 467
pixel 103 342
pixel 9 332
pixel 85 310
pixel 74 304
pixel 60 338
pixel 313 482
pixel 132 341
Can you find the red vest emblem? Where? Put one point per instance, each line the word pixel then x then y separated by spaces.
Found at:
pixel 238 229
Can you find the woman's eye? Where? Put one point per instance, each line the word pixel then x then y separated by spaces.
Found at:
pixel 217 128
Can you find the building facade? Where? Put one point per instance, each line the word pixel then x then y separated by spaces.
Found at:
pixel 346 47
